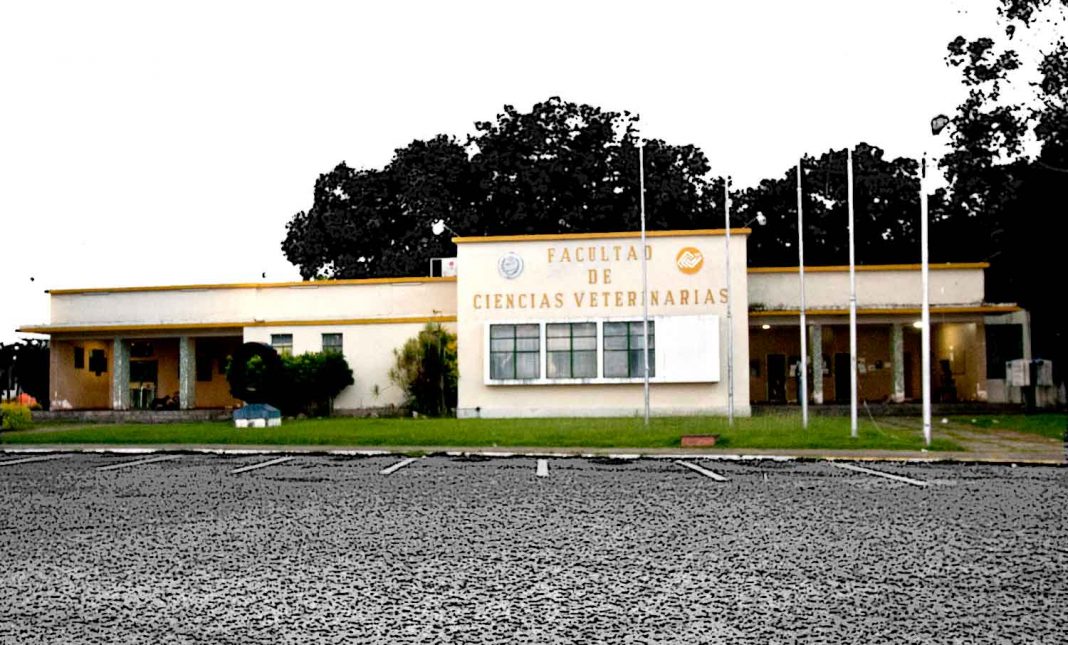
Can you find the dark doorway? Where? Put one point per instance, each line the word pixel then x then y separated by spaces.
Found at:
pixel 776 378
pixel 909 379
pixel 841 378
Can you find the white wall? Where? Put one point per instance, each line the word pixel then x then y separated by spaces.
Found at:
pixel 326 300
pixel 368 348
pixel 887 288
pixel 577 292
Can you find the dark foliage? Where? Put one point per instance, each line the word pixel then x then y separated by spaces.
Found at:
pixel 24 366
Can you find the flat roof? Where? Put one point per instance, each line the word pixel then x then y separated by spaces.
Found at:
pixel 311 284
pixel 303 284
pixel 127 327
pixel 553 237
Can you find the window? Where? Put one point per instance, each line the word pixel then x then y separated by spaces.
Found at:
pixel 514 351
pixel 282 343
pixel 140 349
pixel 623 350
pixel 571 350
pixel 332 343
pixel 79 358
pixel 144 371
pixel 98 361
pixel 203 367
pixel 1003 343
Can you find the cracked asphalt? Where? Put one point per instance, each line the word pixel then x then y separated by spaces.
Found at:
pixel 324 549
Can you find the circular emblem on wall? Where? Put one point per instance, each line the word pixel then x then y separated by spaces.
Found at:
pixel 689 260
pixel 510 266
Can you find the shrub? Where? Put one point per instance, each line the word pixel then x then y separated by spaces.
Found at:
pixel 14 416
pixel 426 370
pixel 311 382
pixel 304 384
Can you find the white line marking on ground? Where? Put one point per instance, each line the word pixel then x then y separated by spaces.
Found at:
pixel 397 466
pixel 703 471
pixel 139 462
pixel 543 468
pixel 879 473
pixel 26 460
pixel 263 464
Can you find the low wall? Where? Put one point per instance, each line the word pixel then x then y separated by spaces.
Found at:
pixel 131 416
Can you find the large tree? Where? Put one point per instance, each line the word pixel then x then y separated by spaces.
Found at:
pixel 1008 169
pixel 562 167
pixel 886 211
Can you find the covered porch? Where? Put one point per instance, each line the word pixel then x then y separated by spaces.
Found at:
pixel 142 371
pixel 889 359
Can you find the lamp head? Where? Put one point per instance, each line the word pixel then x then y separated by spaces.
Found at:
pixel 761 219
pixel 938 123
pixel 438 227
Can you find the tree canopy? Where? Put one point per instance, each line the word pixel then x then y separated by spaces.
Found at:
pixel 562 167
pixel 571 168
pixel 1008 168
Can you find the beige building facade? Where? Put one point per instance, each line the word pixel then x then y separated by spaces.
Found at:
pixel 552 325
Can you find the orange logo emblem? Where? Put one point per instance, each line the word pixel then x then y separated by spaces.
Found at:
pixel 689 260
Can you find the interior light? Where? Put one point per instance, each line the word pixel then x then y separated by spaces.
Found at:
pixel 918 324
pixel 765 326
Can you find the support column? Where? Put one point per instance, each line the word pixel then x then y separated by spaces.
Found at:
pixel 815 345
pixel 897 361
pixel 187 373
pixel 120 374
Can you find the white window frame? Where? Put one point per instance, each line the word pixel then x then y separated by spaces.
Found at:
pixel 683 371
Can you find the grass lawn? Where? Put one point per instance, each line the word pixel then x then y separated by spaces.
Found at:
pixel 773 432
pixel 1046 425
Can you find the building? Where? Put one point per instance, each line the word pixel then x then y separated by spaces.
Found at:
pixel 552 325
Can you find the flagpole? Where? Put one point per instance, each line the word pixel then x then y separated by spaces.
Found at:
pixel 730 322
pixel 645 284
pixel 852 302
pixel 925 315
pixel 803 366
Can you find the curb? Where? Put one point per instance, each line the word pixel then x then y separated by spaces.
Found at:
pixel 407 451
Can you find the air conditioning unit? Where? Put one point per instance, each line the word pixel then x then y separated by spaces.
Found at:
pixel 443 267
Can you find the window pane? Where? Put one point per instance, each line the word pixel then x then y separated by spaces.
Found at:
pixel 527 365
pixel 637 363
pixel 332 342
pixel 559 365
pixel 584 365
pixel 502 345
pixel 502 331
pixel 527 344
pixel 556 330
pixel 528 331
pixel 585 342
pixel 615 342
pixel 558 344
pixel 502 366
pixel 584 329
pixel 615 364
pixel 615 329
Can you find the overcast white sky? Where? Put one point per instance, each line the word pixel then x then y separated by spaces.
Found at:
pixel 145 144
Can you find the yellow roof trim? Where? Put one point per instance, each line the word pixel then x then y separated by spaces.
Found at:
pixel 948 266
pixel 555 237
pixel 893 311
pixel 306 284
pixel 63 329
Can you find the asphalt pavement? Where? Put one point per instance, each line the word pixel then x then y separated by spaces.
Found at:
pixel 112 548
